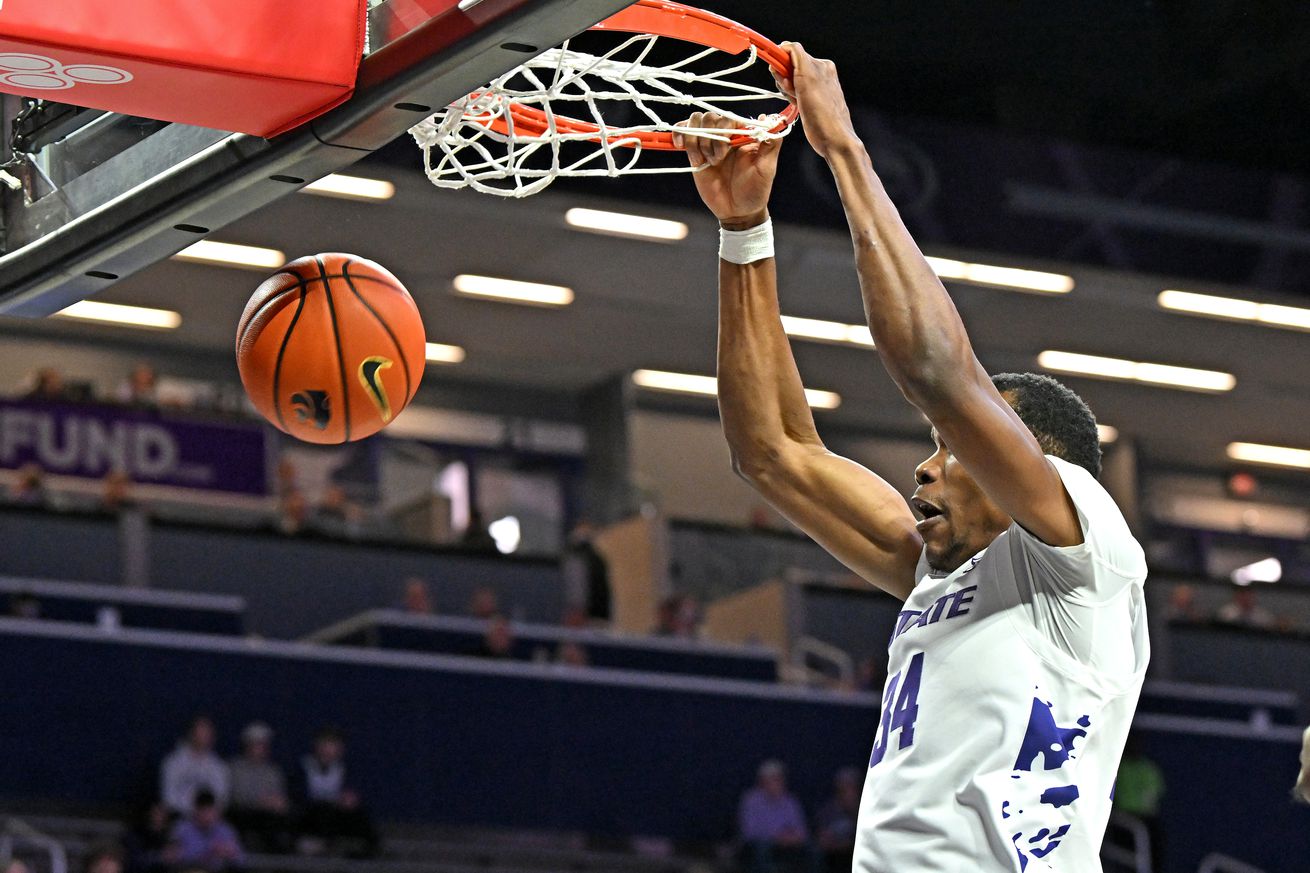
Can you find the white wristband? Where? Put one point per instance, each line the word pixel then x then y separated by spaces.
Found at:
pixel 747 246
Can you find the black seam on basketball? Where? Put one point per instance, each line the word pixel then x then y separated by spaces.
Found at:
pixel 277 367
pixel 254 316
pixel 336 339
pixel 345 274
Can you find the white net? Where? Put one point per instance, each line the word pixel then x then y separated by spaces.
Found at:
pixel 571 113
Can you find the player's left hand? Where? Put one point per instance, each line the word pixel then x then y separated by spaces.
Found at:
pixel 735 183
pixel 817 93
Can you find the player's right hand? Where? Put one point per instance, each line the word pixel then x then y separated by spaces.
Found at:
pixel 817 93
pixel 734 182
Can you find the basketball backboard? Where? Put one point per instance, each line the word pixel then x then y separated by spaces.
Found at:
pixel 93 196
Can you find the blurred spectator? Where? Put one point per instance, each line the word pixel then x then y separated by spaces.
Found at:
pixel 116 492
pixel 259 808
pixel 47 384
pixel 870 674
pixel 1137 792
pixel 498 641
pixel 417 599
pixel 204 840
pixel 287 477
pixel 336 514
pixel 139 388
pixel 834 826
pixel 571 654
pixel 16 866
pixel 574 617
pixel 1301 790
pixel 1242 610
pixel 292 513
pixel 483 603
pixel 193 767
pixel 107 858
pixel 772 824
pixel 679 616
pixel 586 574
pixel 147 838
pixel 1182 604
pixel 332 808
pixel 23 604
pixel 30 489
pixel 476 536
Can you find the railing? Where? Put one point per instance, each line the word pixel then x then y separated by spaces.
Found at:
pixel 805 648
pixel 17 834
pixel 1137 855
pixel 1217 863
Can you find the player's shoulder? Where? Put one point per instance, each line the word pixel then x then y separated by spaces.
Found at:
pixel 1105 530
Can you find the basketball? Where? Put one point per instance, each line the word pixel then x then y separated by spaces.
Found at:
pixel 330 348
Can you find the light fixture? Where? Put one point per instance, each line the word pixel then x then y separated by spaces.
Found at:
pixel 440 353
pixel 687 383
pixel 351 187
pixel 828 331
pixel 119 313
pixel 506 533
pixel 207 251
pixel 1106 434
pixel 512 291
pixel 1233 309
pixel 625 225
pixel 1269 570
pixel 1137 371
pixel 1002 277
pixel 1276 456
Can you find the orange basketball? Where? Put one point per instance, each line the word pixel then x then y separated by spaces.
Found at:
pixel 330 348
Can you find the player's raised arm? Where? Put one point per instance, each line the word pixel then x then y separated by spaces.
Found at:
pixel 918 332
pixel 855 515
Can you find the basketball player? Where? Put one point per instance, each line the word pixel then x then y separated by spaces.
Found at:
pixel 1016 663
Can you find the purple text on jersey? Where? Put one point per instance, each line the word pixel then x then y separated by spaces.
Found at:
pixel 947 606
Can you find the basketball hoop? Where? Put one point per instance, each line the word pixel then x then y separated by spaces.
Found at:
pixel 509 139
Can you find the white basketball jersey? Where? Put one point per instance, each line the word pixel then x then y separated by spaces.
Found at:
pixel 1011 685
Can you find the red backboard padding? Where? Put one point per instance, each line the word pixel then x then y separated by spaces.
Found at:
pixel 253 66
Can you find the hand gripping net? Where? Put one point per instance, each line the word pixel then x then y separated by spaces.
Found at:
pixel 573 113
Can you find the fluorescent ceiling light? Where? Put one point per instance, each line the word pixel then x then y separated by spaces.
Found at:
pixel 439 353
pixel 1106 434
pixel 118 313
pixel 1233 309
pixel 623 224
pixel 828 331
pixel 1269 570
pixel 1277 456
pixel 1137 371
pixel 686 383
pixel 1002 277
pixel 207 251
pixel 351 187
pixel 511 291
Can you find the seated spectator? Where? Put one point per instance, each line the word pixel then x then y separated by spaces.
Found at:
pixel 259 807
pixel 834 826
pixel 870 674
pixel 47 385
pixel 16 866
pixel 772 824
pixel 571 654
pixel 292 513
pixel 106 858
pixel 417 599
pixel 287 477
pixel 30 489
pixel 116 492
pixel 483 603
pixel 193 767
pixel 679 616
pixel 332 809
pixel 476 537
pixel 1138 789
pixel 23 604
pixel 147 838
pixel 337 515
pixel 1182 604
pixel 498 641
pixel 203 840
pixel 1243 611
pixel 140 387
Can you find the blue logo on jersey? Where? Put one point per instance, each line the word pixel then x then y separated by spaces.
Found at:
pixel 1047 740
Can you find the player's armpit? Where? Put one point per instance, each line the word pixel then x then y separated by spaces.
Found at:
pixel 844 507
pixel 987 436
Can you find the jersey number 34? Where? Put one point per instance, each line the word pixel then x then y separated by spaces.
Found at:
pixel 900 709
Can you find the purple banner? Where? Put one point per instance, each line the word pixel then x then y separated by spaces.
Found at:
pixel 151 447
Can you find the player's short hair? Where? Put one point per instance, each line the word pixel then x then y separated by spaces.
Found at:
pixel 1062 423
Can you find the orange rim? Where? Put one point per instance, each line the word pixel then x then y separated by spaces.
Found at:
pixel 676 21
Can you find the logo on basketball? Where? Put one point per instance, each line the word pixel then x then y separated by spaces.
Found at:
pixel 314 407
pixel 26 72
pixel 370 377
